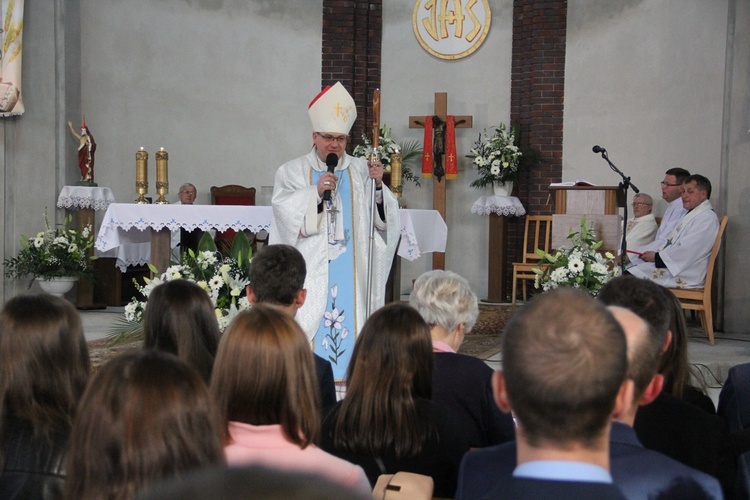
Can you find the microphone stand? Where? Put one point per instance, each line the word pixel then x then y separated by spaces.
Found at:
pixel 623 186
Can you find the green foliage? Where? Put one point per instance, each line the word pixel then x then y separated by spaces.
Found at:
pixel 54 252
pixel 579 266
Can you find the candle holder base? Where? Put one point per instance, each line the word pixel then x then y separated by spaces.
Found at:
pixel 161 200
pixel 141 200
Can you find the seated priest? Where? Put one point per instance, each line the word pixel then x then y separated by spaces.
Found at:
pixel 181 238
pixel 641 230
pixel 682 261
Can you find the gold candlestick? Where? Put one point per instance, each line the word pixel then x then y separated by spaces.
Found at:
pixel 162 182
pixel 396 180
pixel 141 175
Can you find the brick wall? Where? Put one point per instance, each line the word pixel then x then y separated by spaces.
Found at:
pixel 352 34
pixel 352 37
pixel 536 103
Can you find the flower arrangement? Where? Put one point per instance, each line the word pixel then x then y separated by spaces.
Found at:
pixel 53 253
pixel 225 279
pixel 496 157
pixel 580 266
pixel 410 152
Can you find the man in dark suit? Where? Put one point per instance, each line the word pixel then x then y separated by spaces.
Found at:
pixel 668 424
pixel 277 276
pixel 638 472
pixel 552 350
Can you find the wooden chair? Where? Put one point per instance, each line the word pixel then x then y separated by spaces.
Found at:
pixel 231 194
pixel 699 299
pixel 537 235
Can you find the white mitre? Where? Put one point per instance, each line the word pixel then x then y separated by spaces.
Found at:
pixel 333 110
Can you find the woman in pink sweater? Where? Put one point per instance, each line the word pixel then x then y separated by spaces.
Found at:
pixel 265 387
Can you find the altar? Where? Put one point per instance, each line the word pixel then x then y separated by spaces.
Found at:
pixel 138 234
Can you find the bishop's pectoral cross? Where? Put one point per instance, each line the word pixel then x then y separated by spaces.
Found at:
pixel 438 187
pixel 332 212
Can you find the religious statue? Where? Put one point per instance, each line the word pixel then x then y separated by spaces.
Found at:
pixel 86 150
pixel 438 146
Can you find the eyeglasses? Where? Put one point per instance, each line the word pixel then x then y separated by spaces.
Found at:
pixel 641 204
pixel 665 184
pixel 189 193
pixel 340 139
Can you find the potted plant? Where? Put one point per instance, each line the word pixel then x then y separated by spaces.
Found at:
pixel 56 257
pixel 496 157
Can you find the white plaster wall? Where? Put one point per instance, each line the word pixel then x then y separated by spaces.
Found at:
pixel 222 85
pixel 645 80
pixel 478 85
pixel 737 186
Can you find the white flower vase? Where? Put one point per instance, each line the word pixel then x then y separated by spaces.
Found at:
pixel 57 286
pixel 503 188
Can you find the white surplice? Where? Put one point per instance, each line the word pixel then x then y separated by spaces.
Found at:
pixel 686 252
pixel 674 213
pixel 641 231
pixel 297 222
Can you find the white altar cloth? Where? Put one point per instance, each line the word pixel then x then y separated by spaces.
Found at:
pixel 77 197
pixel 123 233
pixel 500 205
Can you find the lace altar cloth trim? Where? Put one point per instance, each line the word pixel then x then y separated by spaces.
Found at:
pixel 422 231
pixel 98 198
pixel 500 205
pixel 124 227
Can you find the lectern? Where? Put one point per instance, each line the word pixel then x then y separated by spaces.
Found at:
pixel 600 206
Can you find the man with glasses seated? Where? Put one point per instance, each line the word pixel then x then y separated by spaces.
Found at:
pixel 333 231
pixel 671 192
pixel 641 229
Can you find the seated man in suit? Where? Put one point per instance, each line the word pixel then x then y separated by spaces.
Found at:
pixel 552 350
pixel 682 261
pixel 667 424
pixel 277 275
pixel 636 471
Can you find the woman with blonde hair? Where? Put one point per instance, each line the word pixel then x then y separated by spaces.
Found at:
pixel 265 387
pixel 386 422
pixel 44 367
pixel 461 383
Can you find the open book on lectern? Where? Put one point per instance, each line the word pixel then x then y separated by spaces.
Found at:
pixel 577 182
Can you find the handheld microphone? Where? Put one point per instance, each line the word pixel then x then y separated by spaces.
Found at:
pixel 331 161
pixel 598 149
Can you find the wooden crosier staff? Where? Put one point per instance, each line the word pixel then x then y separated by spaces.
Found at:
pixel 373 157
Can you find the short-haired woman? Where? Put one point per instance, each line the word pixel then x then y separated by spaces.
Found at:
pixel 461 383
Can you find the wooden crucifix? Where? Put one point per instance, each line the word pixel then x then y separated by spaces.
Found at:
pixel 438 184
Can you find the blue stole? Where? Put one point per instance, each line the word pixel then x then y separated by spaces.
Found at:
pixel 336 333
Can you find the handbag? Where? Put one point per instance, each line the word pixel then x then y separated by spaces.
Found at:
pixel 402 485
